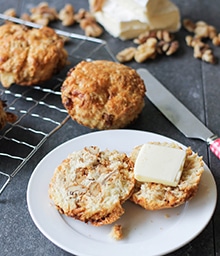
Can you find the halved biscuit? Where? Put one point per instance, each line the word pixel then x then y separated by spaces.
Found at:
pixel 90 185
pixel 155 196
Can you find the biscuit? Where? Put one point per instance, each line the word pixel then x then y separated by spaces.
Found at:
pixel 29 56
pixel 103 94
pixel 155 196
pixel 91 185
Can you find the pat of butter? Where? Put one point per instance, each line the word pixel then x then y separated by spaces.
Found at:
pixel 160 164
pixel 127 19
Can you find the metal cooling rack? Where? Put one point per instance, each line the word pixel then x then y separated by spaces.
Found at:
pixel 21 140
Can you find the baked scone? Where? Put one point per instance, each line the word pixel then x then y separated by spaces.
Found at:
pixel 155 196
pixel 90 185
pixel 5 117
pixel 103 94
pixel 29 56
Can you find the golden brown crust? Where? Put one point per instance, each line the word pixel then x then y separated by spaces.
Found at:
pixel 29 56
pixel 103 94
pixel 91 185
pixel 155 196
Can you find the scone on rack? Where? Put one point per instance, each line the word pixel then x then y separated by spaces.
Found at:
pixel 103 94
pixel 91 185
pixel 29 56
pixel 155 196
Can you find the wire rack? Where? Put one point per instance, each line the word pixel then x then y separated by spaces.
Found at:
pixel 21 140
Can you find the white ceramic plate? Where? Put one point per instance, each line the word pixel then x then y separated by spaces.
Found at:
pixel 146 232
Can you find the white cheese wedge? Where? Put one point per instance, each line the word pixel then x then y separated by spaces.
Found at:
pixel 160 164
pixel 127 19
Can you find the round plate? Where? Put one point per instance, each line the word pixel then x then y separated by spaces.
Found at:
pixel 145 232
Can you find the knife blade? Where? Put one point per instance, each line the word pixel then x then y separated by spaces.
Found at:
pixel 177 113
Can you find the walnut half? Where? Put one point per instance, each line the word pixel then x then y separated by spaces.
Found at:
pixel 150 44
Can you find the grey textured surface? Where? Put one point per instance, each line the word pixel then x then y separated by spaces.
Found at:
pixel 195 83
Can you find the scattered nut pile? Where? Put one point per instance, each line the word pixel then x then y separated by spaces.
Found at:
pixel 43 14
pixel 202 31
pixel 150 44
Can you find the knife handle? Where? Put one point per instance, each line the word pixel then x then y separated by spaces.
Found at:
pixel 215 147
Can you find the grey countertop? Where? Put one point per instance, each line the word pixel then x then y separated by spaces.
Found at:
pixel 195 83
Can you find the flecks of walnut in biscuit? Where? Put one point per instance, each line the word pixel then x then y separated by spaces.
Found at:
pixel 29 56
pixel 103 94
pixel 155 196
pixel 91 185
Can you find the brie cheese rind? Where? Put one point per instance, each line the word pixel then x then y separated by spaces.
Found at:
pixel 127 19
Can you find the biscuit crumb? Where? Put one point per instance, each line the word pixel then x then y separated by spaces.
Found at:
pixel 167 216
pixel 117 232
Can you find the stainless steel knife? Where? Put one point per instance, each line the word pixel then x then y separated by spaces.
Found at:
pixel 177 113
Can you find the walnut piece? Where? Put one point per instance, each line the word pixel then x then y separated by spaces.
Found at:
pixel 216 40
pixel 146 50
pixel 142 38
pixel 189 25
pixel 201 31
pixel 43 14
pixel 151 43
pixel 10 12
pixel 201 50
pixel 88 23
pixel 126 55
pixel 83 14
pixel 91 27
pixel 26 16
pixel 173 47
pixel 66 15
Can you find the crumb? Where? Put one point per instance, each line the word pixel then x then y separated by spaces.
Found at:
pixel 116 232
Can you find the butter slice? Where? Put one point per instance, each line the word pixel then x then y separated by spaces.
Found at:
pixel 160 164
pixel 127 19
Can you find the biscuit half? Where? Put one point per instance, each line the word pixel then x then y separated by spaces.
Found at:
pixel 91 185
pixel 155 196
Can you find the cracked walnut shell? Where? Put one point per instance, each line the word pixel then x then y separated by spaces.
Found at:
pixel 103 94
